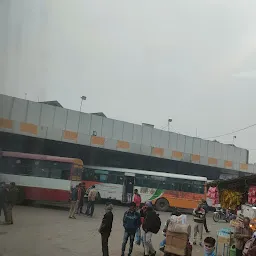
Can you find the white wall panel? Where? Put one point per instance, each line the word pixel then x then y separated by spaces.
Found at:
pixel 47 115
pixel 146 135
pixel 118 130
pixel 72 120
pixel 237 154
pixel 60 118
pixel 164 141
pixel 96 124
pixel 203 147
pixel 6 106
pixel 231 153
pixel 196 146
pixel 173 139
pixel 19 110
pixel 243 158
pixel 34 113
pixel 85 123
pixel 217 150
pixel 189 144
pixel 127 131
pixel 156 138
pixel 181 143
pixel 137 134
pixel 224 151
pixel 107 127
pixel 210 149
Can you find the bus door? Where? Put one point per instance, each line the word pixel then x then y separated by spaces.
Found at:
pixel 128 187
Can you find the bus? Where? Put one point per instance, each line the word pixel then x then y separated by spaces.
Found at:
pixel 40 177
pixel 165 190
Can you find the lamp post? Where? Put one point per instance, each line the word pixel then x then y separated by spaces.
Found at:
pixel 234 137
pixel 169 121
pixel 82 99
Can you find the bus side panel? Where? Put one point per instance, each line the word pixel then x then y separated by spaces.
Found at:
pixel 179 199
pixel 44 194
pixel 39 188
pixel 106 190
pixel 175 198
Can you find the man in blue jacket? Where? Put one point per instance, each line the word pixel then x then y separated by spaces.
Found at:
pixel 131 223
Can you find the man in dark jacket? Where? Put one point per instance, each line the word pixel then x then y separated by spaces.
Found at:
pixel 205 206
pixel 74 202
pixel 147 231
pixel 11 199
pixel 2 196
pixel 131 222
pixel 81 201
pixel 105 228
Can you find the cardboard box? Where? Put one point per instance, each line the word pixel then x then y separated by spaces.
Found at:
pixel 176 243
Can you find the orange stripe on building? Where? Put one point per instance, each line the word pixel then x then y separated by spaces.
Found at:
pixel 177 154
pixel 28 128
pixel 69 135
pixel 95 140
pixel 122 144
pixel 5 123
pixel 157 152
pixel 244 167
pixel 212 161
pixel 195 158
pixel 228 164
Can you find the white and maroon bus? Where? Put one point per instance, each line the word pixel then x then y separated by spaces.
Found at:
pixel 40 177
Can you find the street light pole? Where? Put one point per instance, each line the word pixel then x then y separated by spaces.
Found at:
pixel 82 99
pixel 234 137
pixel 169 121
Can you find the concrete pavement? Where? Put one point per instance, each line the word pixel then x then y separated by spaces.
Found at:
pixel 45 231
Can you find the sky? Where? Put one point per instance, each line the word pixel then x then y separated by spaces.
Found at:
pixel 138 61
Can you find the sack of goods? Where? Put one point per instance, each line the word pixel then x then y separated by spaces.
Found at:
pixel 177 237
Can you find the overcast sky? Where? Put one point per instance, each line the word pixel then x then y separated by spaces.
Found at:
pixel 138 61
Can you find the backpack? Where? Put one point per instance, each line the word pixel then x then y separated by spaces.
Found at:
pixel 155 222
pixel 248 245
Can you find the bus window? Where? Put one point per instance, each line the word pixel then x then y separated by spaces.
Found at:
pixel 139 180
pixel 187 186
pixel 65 174
pixel 198 187
pixel 120 180
pixel 112 178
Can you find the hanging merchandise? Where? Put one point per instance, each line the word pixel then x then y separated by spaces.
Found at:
pixel 213 195
pixel 252 195
pixel 230 199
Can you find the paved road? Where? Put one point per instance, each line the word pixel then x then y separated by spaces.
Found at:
pixel 44 231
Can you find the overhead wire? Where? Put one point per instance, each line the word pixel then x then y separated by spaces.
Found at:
pixel 229 133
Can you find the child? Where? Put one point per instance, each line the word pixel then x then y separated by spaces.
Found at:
pixel 199 218
pixel 209 246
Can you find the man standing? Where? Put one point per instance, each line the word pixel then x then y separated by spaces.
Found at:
pixel 81 191
pixel 11 198
pixel 131 222
pixel 204 205
pixel 91 201
pixel 2 196
pixel 74 202
pixel 199 216
pixel 242 235
pixel 105 228
pixel 151 225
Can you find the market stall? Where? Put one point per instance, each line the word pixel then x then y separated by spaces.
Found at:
pixel 238 195
pixel 232 194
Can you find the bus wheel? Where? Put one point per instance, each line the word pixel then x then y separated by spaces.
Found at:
pixel 162 205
